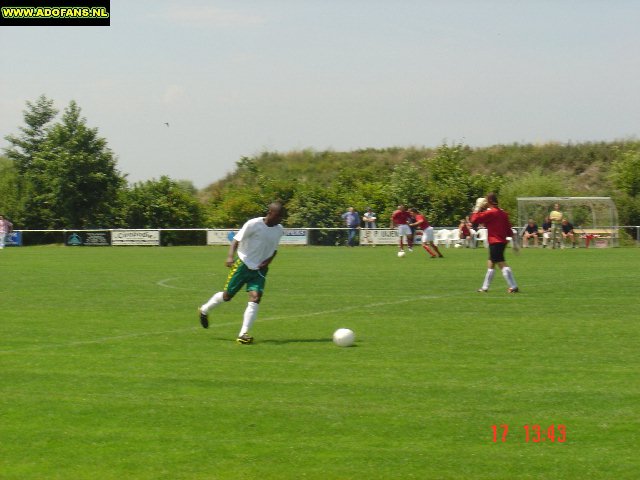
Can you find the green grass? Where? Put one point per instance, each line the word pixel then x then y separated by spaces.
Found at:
pixel 105 372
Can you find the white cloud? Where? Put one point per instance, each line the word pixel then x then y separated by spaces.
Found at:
pixel 207 16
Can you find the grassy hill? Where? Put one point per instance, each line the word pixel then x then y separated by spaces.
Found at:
pixel 442 181
pixel 585 165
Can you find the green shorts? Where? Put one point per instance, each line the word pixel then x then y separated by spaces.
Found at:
pixel 240 275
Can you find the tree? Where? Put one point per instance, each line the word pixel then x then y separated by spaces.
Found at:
pixel 407 186
pixel 162 203
pixel 10 201
pixel 72 178
pixel 318 207
pixel 531 184
pixel 625 172
pixel 24 147
pixel 451 187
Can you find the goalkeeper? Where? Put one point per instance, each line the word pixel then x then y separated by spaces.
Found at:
pixel 499 230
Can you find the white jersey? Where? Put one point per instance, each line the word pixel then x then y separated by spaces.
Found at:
pixel 257 241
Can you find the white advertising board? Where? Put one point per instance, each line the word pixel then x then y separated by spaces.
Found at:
pixel 292 236
pixel 295 236
pixel 220 237
pixel 135 237
pixel 379 236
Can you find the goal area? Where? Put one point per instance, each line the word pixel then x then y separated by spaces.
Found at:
pixel 588 215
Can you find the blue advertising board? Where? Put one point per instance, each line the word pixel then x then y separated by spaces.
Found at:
pixel 14 239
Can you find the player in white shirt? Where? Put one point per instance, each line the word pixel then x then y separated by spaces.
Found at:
pixel 256 245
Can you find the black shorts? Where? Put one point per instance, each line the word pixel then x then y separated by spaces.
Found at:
pixel 496 252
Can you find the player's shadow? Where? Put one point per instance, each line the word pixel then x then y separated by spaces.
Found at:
pixel 283 341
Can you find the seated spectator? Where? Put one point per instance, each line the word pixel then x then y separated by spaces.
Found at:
pixel 567 233
pixel 466 233
pixel 530 231
pixel 546 232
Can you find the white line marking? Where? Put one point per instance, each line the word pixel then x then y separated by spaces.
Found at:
pixel 162 283
pixel 213 325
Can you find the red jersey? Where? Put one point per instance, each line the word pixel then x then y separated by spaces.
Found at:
pixel 497 222
pixel 422 222
pixel 400 218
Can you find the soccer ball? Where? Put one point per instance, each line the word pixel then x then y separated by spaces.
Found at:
pixel 343 337
pixel 457 245
pixel 401 253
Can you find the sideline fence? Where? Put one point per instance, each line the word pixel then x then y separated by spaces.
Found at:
pixel 626 236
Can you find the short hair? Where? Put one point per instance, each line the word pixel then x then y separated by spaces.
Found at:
pixel 492 198
pixel 276 207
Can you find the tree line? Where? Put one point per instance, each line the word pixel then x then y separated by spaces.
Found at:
pixel 63 175
pixel 58 173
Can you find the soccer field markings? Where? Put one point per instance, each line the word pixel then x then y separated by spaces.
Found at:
pixel 95 340
pixel 166 283
pixel 213 325
pixel 162 283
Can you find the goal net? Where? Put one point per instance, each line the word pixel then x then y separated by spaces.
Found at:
pixel 588 215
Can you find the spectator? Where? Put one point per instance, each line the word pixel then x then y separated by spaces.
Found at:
pixel 352 220
pixel 465 233
pixel 567 233
pixel 556 225
pixel 370 218
pixel 6 227
pixel 530 231
pixel 546 232
pixel 367 236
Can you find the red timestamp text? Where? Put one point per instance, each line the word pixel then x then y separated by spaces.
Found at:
pixel 532 433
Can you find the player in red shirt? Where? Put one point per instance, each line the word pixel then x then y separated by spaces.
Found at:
pixel 498 229
pixel 400 220
pixel 420 223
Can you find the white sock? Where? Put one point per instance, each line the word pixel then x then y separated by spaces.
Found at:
pixel 217 299
pixel 250 314
pixel 508 276
pixel 487 278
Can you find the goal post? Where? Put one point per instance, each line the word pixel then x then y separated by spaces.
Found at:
pixel 586 214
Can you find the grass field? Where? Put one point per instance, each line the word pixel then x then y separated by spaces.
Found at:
pixel 106 373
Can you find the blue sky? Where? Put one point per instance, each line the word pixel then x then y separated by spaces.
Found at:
pixel 236 78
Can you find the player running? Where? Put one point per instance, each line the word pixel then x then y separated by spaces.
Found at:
pixel 400 220
pixel 420 223
pixel 256 245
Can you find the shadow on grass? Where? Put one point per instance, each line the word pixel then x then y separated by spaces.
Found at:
pixel 282 341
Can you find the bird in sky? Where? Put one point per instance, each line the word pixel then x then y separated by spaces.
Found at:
pixel 166 123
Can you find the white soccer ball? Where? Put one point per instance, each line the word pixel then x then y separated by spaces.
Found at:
pixel 457 245
pixel 343 337
pixel 401 253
